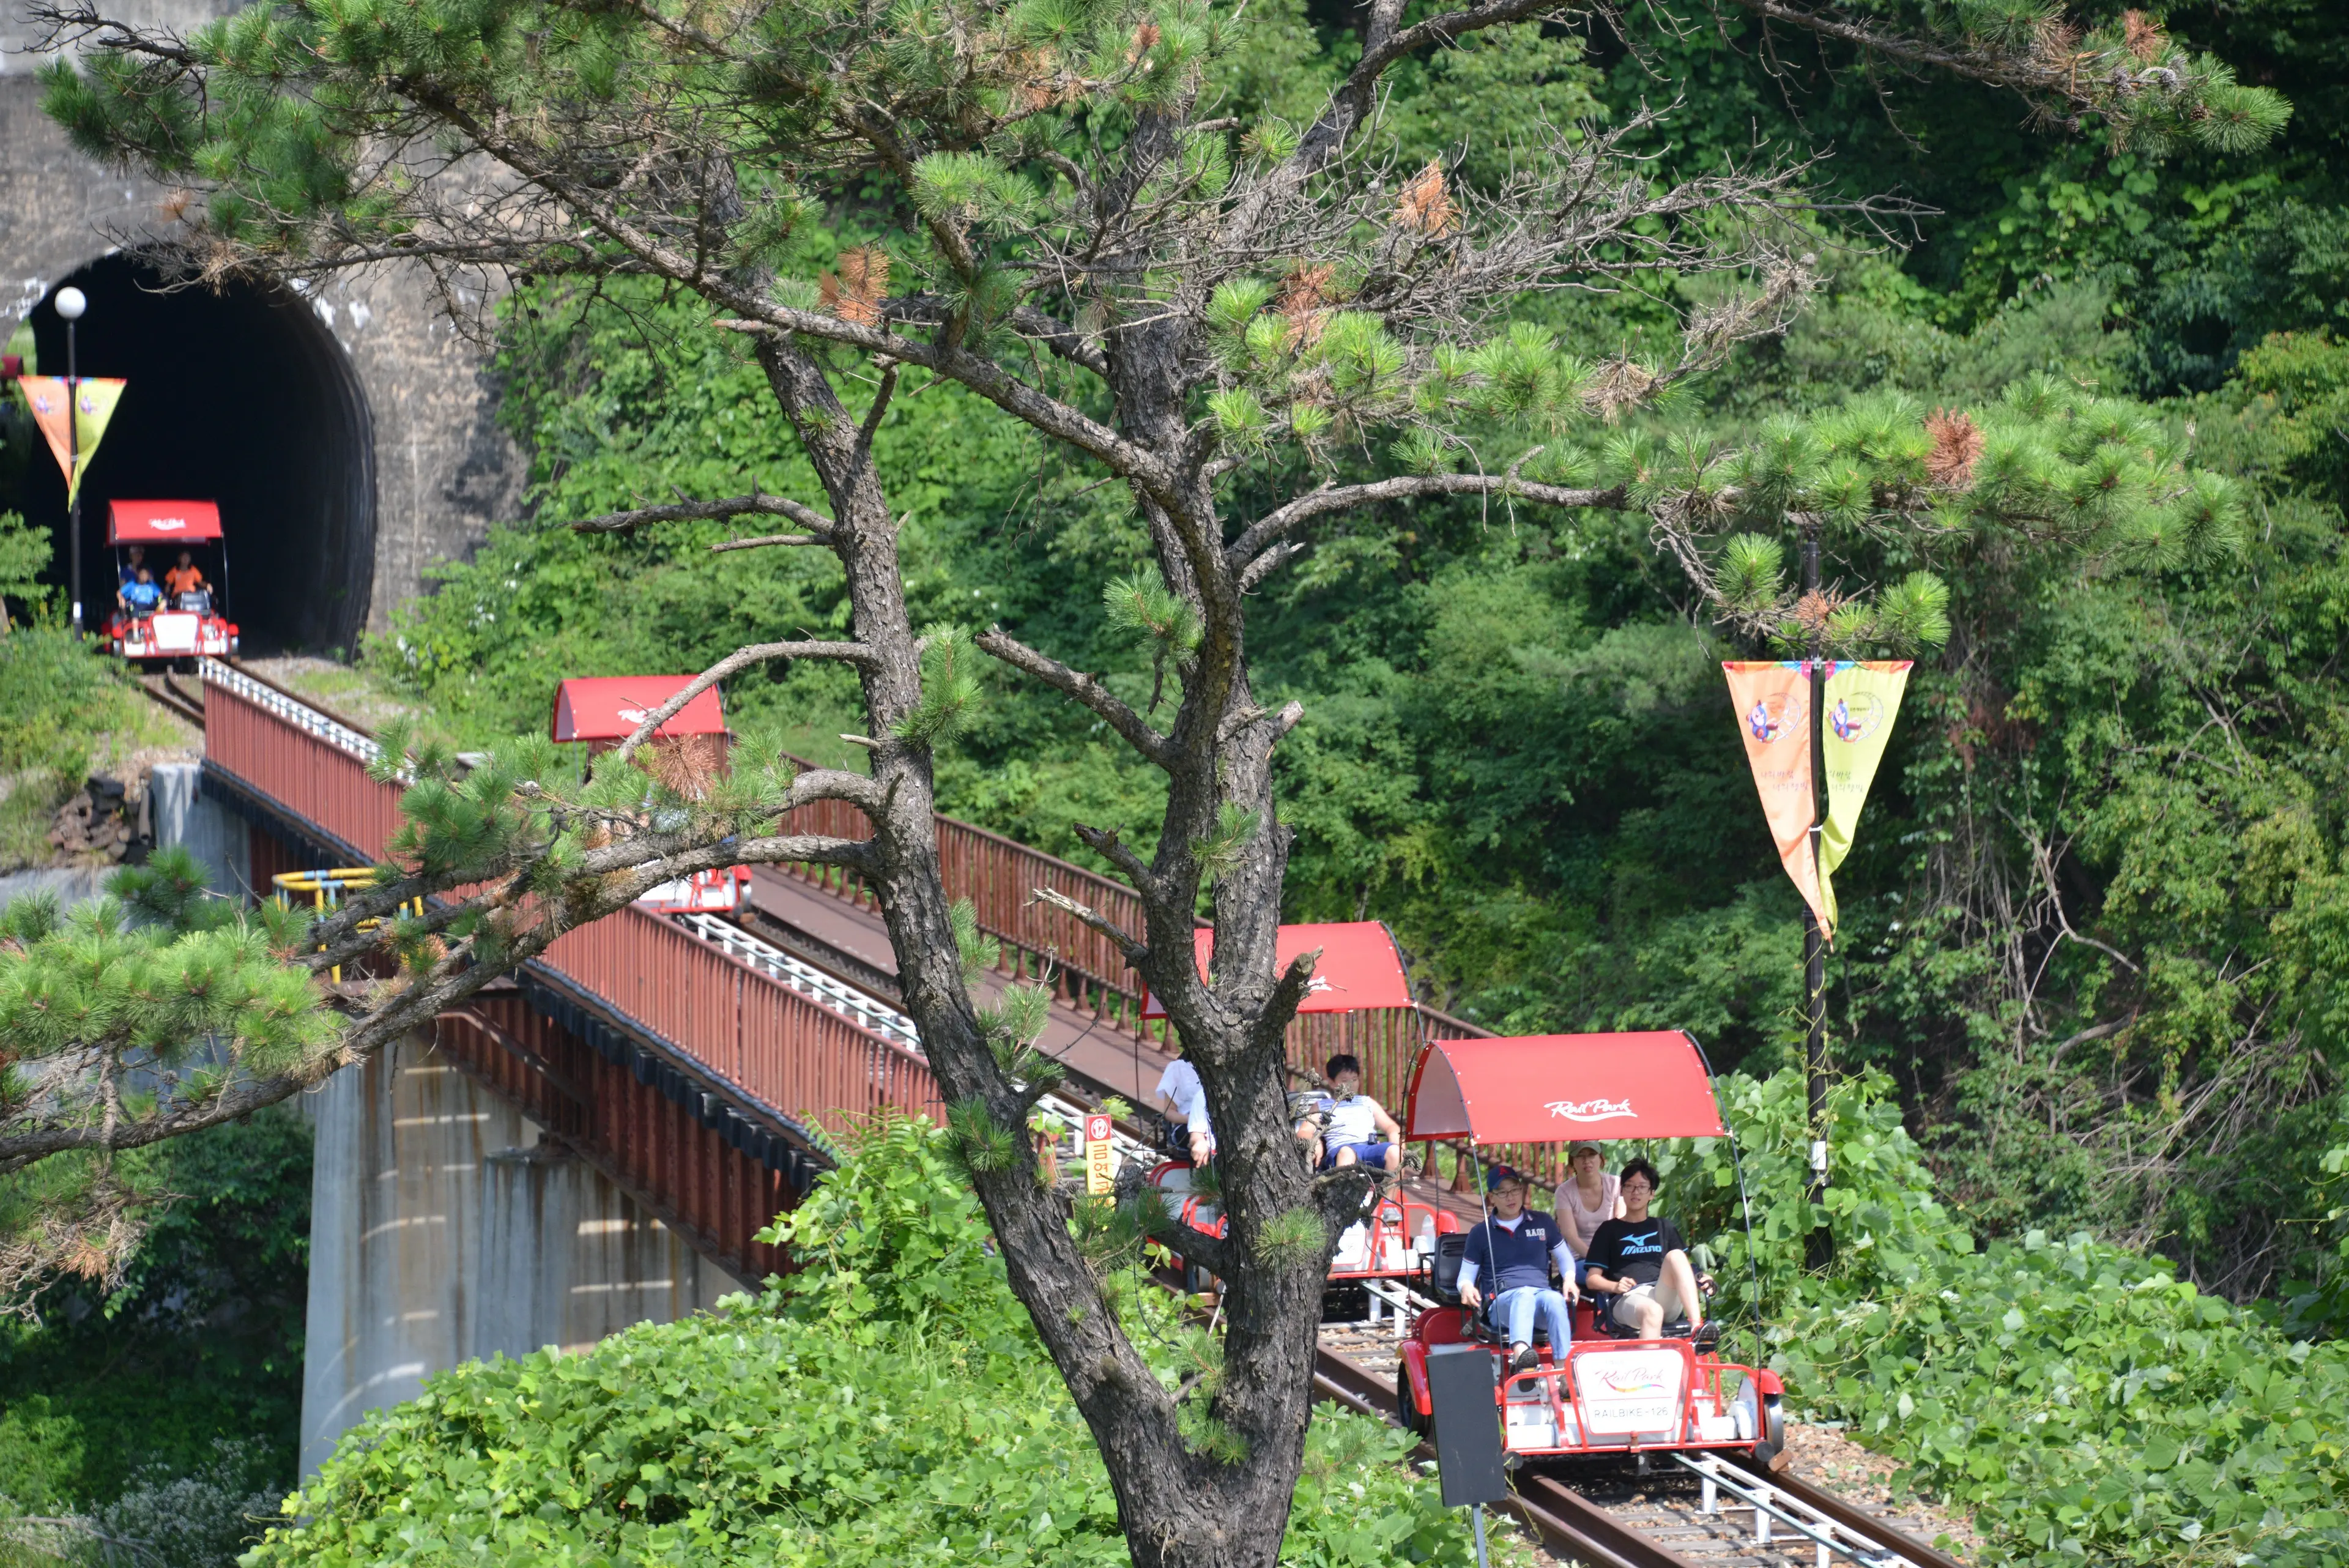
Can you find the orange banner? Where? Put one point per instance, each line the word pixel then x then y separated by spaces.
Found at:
pixel 1773 715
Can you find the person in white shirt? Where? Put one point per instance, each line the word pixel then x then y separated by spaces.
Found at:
pixel 1176 1086
pixel 1354 1128
pixel 1185 1100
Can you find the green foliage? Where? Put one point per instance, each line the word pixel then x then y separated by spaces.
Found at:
pixel 24 553
pixel 1142 605
pixel 61 701
pixel 887 1404
pixel 1288 1240
pixel 107 1016
pixel 978 951
pixel 2079 1400
pixel 115 1398
pixel 159 991
pixel 1218 854
pixel 950 688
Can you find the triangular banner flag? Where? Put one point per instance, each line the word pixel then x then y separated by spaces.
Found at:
pixel 96 397
pixel 1862 700
pixel 1773 715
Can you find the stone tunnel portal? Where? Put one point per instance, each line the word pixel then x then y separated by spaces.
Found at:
pixel 238 395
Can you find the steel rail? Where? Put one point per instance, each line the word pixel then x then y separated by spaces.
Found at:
pixel 1856 1520
pixel 166 695
pixel 1565 1523
pixel 1770 1502
pixel 250 673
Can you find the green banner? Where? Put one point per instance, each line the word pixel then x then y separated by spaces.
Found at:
pixel 1862 700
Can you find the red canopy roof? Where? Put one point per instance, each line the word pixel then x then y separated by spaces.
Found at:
pixel 162 521
pixel 610 707
pixel 1360 968
pixel 1549 1088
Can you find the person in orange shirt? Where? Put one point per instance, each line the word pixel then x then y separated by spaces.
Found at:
pixel 184 578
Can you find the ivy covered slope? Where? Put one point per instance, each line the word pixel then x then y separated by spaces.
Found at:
pixel 2079 1400
pixel 888 1405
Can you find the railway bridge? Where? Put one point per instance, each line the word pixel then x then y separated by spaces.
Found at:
pixel 597 1140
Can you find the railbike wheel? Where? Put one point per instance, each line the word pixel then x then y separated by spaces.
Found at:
pixel 1773 1439
pixel 1406 1406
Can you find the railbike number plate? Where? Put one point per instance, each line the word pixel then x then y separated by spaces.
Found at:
pixel 1631 1391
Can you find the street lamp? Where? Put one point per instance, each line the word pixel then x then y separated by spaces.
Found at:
pixel 71 302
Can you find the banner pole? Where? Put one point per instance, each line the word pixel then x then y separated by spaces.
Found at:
pixel 1820 1249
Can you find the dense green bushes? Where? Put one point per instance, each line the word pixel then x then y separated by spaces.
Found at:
pixel 889 1405
pixel 166 1410
pixel 2082 1402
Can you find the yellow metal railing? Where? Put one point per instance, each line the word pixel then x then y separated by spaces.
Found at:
pixel 325 890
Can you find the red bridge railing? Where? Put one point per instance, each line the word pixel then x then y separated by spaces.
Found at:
pixel 776 1045
pixel 1000 876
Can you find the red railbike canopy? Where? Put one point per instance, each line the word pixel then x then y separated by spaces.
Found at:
pixel 162 521
pixel 1360 968
pixel 610 707
pixel 1549 1088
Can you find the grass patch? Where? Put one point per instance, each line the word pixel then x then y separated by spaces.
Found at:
pixel 67 709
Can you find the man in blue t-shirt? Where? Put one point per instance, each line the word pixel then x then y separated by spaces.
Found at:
pixel 1641 1261
pixel 1511 1249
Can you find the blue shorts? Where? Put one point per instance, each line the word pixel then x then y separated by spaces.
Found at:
pixel 1366 1153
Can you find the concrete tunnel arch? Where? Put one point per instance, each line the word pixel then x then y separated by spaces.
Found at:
pixel 237 394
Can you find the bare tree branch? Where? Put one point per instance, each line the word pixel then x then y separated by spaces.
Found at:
pixel 1135 951
pixel 1274 525
pixel 740 658
pixel 1081 687
pixel 761 541
pixel 807 517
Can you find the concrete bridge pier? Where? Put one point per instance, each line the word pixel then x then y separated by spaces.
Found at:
pixel 446 1227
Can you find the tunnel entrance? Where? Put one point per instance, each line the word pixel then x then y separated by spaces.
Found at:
pixel 240 396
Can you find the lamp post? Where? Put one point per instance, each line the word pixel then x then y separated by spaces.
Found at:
pixel 1819 1247
pixel 71 302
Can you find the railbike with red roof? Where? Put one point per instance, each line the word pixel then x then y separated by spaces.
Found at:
pixel 188 624
pixel 1608 1392
pixel 689 749
pixel 1359 970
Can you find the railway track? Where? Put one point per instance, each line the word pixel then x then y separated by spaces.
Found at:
pixel 185 702
pixel 1615 1514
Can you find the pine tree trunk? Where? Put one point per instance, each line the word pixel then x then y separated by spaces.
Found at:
pixel 1179 1506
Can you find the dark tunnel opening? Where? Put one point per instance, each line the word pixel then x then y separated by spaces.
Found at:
pixel 239 396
